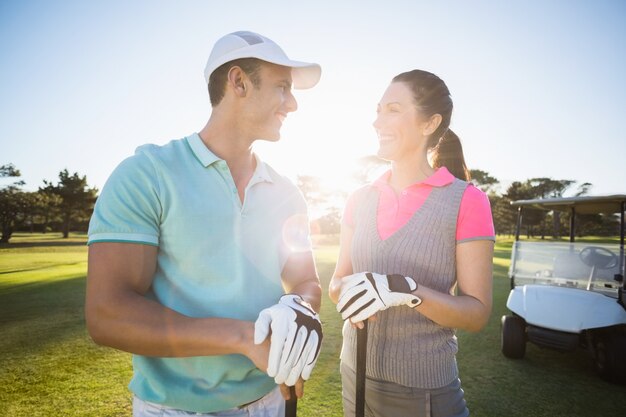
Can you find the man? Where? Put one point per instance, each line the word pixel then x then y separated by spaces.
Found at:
pixel 193 242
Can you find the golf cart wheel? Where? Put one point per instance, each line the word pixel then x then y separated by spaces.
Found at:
pixel 610 357
pixel 513 339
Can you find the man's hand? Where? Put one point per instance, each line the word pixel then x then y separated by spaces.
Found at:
pixel 363 294
pixel 285 389
pixel 296 338
pixel 258 353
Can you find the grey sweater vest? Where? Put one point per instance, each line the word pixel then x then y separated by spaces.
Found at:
pixel 404 346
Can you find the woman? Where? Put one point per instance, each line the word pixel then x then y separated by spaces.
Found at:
pixel 407 241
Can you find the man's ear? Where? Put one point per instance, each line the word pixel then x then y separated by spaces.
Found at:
pixel 237 80
pixel 431 124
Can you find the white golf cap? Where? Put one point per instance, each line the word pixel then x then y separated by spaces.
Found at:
pixel 244 44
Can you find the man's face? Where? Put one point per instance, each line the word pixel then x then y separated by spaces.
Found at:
pixel 270 102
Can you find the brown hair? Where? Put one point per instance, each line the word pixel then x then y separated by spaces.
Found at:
pixel 431 97
pixel 217 79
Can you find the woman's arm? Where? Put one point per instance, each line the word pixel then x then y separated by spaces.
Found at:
pixel 470 309
pixel 344 262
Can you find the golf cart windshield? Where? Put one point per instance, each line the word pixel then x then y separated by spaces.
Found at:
pixel 586 266
pixel 590 266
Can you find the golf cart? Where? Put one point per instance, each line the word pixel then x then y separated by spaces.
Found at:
pixel 566 295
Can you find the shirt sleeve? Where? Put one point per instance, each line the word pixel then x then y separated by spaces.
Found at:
pixel 128 208
pixel 350 207
pixel 475 221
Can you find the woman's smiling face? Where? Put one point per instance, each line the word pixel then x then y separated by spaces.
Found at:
pixel 398 123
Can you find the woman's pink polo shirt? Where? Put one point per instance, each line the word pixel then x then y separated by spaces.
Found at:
pixel 474 222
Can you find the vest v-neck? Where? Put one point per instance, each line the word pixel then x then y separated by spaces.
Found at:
pixel 401 230
pixel 396 207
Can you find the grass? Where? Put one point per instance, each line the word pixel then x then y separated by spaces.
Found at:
pixel 50 367
pixel 48 364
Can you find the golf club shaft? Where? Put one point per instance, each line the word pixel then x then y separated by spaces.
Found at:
pixel 361 355
pixel 291 405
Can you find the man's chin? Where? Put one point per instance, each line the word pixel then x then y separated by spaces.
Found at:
pixel 270 138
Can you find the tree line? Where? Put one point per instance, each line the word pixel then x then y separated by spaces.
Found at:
pixel 536 223
pixel 541 223
pixel 68 204
pixel 62 206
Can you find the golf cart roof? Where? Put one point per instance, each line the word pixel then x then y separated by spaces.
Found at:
pixel 582 205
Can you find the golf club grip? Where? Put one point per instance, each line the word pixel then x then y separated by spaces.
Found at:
pixel 291 405
pixel 361 357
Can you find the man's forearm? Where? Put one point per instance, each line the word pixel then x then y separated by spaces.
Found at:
pixel 311 292
pixel 139 325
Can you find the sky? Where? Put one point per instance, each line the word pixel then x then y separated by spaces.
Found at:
pixel 539 87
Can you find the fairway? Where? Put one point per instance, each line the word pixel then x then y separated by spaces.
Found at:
pixel 50 367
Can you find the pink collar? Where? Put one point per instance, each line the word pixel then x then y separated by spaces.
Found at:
pixel 440 178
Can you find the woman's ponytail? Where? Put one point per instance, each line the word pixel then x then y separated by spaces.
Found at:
pixel 449 153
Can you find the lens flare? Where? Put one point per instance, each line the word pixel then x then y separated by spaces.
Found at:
pixel 296 234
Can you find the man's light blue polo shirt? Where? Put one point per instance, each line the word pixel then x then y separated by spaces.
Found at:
pixel 217 257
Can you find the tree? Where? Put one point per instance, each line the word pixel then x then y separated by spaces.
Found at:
pixel 504 215
pixel 524 191
pixel 12 202
pixel 542 187
pixel 311 190
pixel 330 223
pixel 45 208
pixel 483 180
pixel 323 203
pixel 583 189
pixel 369 167
pixel 40 208
pixel 549 188
pixel 76 199
pixel 9 170
pixel 29 209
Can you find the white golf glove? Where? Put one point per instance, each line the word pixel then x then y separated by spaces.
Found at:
pixel 296 338
pixel 365 293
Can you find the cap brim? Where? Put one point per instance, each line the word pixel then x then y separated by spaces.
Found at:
pixel 304 74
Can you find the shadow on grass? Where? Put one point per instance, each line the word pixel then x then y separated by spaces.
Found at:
pixel 41 297
pixel 36 314
pixel 13 271
pixel 40 244
pixel 504 254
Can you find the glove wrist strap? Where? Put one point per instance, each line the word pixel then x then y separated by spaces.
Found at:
pixel 399 283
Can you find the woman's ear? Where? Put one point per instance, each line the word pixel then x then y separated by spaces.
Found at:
pixel 429 127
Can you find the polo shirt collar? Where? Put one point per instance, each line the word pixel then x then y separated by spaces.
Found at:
pixel 200 150
pixel 261 172
pixel 207 158
pixel 440 178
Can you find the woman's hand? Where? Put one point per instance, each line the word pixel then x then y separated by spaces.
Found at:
pixel 361 324
pixel 364 294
